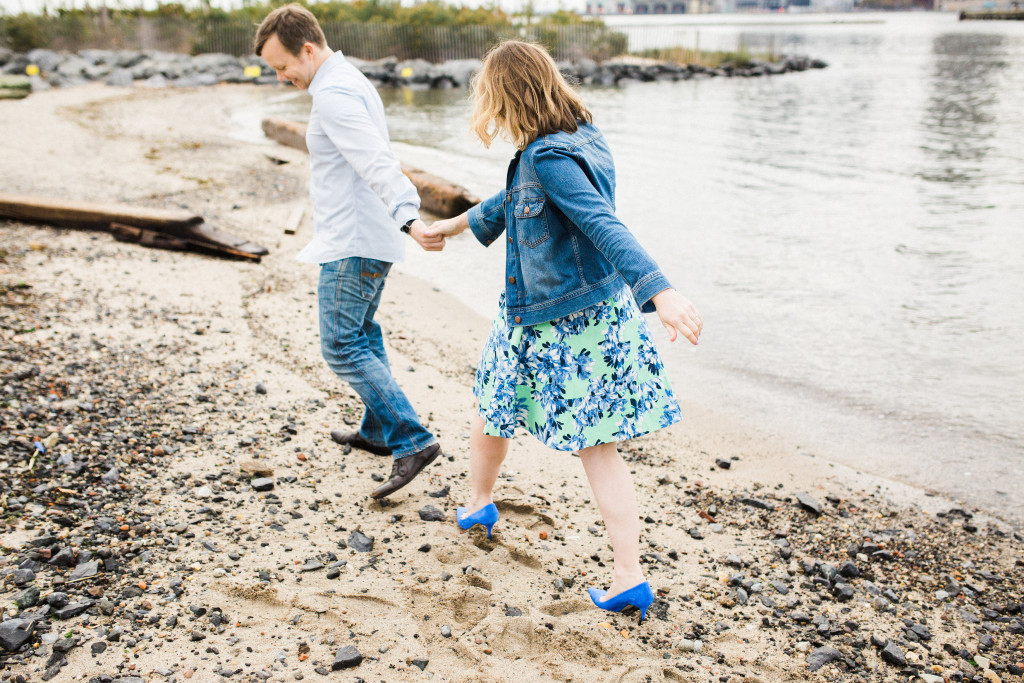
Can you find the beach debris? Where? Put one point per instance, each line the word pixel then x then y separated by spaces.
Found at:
pixel 158 228
pixel 291 226
pixel 15 87
pixel 437 195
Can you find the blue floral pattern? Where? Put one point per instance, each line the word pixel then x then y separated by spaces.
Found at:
pixel 589 378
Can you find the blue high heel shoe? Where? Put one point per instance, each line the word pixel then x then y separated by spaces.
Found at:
pixel 487 516
pixel 640 596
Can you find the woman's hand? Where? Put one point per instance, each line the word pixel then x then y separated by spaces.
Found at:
pixel 449 226
pixel 677 313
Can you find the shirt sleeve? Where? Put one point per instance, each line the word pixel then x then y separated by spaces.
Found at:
pixel 487 219
pixel 349 126
pixel 570 189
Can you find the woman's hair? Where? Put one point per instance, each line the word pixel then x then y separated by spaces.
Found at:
pixel 520 95
pixel 294 25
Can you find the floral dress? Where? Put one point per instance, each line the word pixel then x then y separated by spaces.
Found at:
pixel 589 378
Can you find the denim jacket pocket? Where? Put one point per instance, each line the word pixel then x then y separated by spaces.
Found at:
pixel 531 220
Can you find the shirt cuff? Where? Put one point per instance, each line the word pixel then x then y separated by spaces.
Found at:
pixel 406 213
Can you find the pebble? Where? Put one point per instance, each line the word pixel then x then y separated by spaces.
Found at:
pixel 347 658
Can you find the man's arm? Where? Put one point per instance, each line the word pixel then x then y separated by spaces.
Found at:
pixel 347 122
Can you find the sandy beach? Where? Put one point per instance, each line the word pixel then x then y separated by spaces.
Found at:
pixel 236 541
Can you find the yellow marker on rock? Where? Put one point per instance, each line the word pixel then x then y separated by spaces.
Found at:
pixel 253 71
pixel 32 70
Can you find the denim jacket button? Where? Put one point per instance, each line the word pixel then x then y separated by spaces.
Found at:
pixel 511 280
pixel 518 319
pixel 510 240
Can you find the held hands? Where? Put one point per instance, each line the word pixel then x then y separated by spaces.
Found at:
pixel 677 313
pixel 449 227
pixel 430 242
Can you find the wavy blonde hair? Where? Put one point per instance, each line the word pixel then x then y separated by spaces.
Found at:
pixel 520 95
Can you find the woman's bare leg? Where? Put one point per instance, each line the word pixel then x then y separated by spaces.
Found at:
pixel 486 453
pixel 612 485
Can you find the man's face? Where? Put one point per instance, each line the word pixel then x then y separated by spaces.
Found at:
pixel 297 69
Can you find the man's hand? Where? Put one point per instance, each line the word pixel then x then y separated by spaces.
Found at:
pixel 429 242
pixel 677 313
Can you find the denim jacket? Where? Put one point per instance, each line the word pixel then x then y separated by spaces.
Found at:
pixel 565 249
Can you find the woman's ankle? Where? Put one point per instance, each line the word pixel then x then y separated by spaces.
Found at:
pixel 477 502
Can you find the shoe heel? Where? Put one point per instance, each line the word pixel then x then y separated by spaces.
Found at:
pixel 486 517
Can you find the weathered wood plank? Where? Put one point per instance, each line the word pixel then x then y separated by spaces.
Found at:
pixel 95 215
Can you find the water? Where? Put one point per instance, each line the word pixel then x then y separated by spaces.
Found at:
pixel 852 236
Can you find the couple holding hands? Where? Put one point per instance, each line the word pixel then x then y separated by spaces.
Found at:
pixel 569 357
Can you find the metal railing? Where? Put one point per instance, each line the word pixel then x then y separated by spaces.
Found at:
pixel 366 41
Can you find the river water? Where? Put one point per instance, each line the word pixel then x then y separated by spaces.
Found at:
pixel 853 236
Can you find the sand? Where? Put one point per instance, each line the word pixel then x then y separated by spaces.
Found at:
pixel 429 602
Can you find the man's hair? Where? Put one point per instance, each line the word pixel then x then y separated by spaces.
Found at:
pixel 521 95
pixel 294 26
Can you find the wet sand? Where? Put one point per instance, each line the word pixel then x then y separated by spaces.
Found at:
pixel 204 374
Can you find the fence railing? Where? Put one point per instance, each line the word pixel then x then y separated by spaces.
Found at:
pixel 367 40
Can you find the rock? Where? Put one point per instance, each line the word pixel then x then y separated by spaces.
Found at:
pixel 111 476
pixel 893 655
pixel 848 569
pixel 809 503
pixel 346 658
pixel 446 631
pixel 27 598
pixel 443 493
pixel 421 664
pixel 723 463
pixel 73 610
pixel 757 503
pixel 359 541
pixel 695 533
pixel 822 656
pixel 16 632
pixel 84 571
pixel 255 468
pixel 263 484
pixel 429 513
pixel 98 647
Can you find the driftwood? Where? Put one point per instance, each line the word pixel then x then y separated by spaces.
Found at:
pixel 161 228
pixel 437 195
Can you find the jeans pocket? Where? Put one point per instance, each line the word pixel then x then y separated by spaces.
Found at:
pixel 371 277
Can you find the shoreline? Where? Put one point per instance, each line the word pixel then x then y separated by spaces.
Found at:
pixel 193 338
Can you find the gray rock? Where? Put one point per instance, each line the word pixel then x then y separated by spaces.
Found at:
pixel 893 655
pixel 263 484
pixel 347 658
pixel 429 513
pixel 822 656
pixel 359 541
pixel 16 632
pixel 120 78
pixel 809 503
pixel 111 476
pixel 757 503
pixel 86 570
pixel 421 664
pixel 27 598
pixel 73 610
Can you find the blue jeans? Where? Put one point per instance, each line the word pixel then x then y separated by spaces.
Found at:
pixel 351 342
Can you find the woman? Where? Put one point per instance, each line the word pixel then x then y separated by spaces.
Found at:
pixel 569 356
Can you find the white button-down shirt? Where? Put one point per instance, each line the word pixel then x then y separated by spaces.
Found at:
pixel 360 196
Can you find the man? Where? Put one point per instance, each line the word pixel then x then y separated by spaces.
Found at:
pixel 362 203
